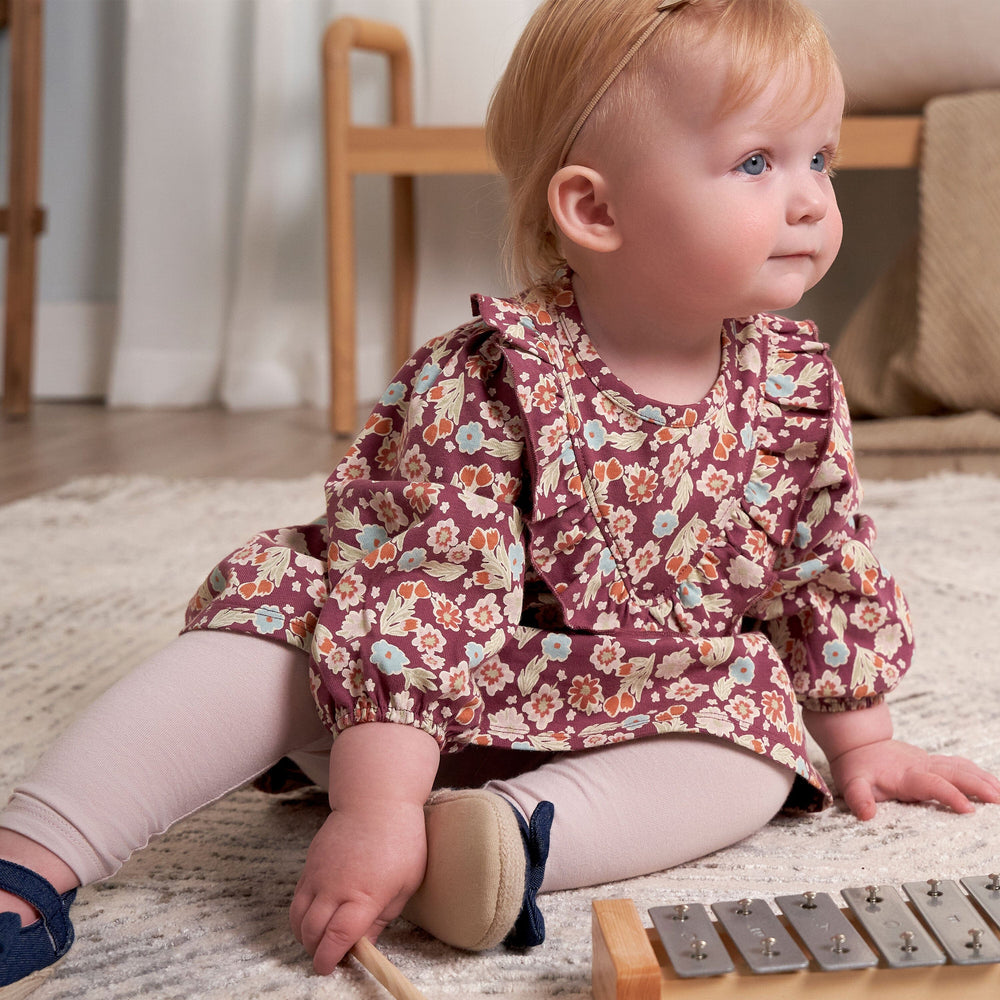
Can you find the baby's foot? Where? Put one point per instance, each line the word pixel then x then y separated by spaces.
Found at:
pixel 484 868
pixel 29 948
pixel 23 851
pixel 36 890
pixel 9 903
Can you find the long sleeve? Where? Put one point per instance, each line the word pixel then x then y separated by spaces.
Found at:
pixel 425 559
pixel 837 617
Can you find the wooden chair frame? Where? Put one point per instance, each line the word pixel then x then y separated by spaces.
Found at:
pixel 22 219
pixel 403 151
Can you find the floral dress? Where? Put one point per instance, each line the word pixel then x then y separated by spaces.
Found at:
pixel 520 551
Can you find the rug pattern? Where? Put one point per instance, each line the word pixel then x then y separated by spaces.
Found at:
pixel 202 912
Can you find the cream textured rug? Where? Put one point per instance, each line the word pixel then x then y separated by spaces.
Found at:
pixel 95 576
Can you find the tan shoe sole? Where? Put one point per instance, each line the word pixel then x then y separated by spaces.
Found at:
pixel 473 888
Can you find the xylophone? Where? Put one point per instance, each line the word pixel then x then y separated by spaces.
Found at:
pixel 940 940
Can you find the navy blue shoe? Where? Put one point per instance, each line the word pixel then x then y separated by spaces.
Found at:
pixel 25 951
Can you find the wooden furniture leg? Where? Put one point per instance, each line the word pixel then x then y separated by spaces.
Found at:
pixel 342 36
pixel 22 220
pixel 404 268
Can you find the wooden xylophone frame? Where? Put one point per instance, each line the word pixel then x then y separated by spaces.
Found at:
pixel 629 963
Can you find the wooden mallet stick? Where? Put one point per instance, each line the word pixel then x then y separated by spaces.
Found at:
pixel 385 972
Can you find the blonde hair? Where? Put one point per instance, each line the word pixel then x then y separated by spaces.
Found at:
pixel 567 53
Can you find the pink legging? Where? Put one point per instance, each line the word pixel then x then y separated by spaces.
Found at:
pixel 214 709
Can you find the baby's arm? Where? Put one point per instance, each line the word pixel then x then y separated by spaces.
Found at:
pixel 869 766
pixel 368 858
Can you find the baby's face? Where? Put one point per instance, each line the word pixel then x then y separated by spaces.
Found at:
pixel 730 214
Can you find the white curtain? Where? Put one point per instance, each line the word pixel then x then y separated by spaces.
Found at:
pixel 221 287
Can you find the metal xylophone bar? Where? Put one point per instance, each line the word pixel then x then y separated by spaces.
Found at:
pixel 940 929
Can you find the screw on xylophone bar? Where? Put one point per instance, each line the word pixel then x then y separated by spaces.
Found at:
pixel 749 923
pixel 691 941
pixel 985 890
pixel 831 939
pixel 947 910
pixel 885 920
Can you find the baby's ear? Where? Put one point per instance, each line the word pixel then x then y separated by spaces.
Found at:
pixel 580 206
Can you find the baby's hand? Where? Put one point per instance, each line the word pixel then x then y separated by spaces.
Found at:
pixel 369 856
pixel 891 770
pixel 361 868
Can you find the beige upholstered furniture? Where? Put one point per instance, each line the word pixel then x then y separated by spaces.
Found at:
pixel 403 151
pixel 22 220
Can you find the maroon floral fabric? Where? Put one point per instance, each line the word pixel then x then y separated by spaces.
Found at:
pixel 520 551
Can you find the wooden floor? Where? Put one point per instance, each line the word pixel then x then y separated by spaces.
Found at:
pixel 63 441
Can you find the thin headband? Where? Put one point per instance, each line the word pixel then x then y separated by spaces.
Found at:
pixel 663 9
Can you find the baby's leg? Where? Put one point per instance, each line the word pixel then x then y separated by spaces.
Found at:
pixel 638 807
pixel 202 717
pixel 619 811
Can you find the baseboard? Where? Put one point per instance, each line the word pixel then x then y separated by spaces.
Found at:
pixel 73 345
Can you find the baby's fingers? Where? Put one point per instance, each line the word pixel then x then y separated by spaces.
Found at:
pixel 325 929
pixel 310 920
pixel 969 778
pixel 929 785
pixel 301 903
pixel 350 923
pixel 860 798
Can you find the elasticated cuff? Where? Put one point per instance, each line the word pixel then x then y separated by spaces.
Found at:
pixel 31 818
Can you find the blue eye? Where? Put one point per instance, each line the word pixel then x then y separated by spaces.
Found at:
pixel 818 162
pixel 754 165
